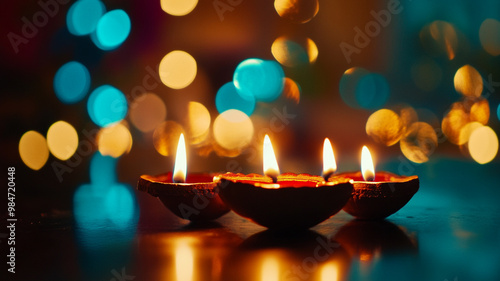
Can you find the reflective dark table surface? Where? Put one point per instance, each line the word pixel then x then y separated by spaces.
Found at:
pixel 450 230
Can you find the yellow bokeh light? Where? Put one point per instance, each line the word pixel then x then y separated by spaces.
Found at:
pixel 299 11
pixel 62 140
pixel 33 150
pixel 408 116
pixel 466 131
pixel 312 50
pixel 489 35
pixel 270 269
pixel 147 112
pixel 468 81
pixel 178 7
pixel 454 121
pixel 483 145
pixel 198 121
pixel 384 126
pixel 233 129
pixel 114 140
pixel 166 136
pixel 291 90
pixel 293 53
pixel 480 111
pixel 419 142
pixel 177 69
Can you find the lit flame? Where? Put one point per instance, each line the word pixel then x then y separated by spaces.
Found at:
pixel 271 168
pixel 330 272
pixel 184 261
pixel 367 168
pixel 329 164
pixel 180 166
pixel 270 270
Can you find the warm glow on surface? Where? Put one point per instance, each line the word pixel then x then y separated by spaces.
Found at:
pixel 233 130
pixel 271 167
pixel 177 69
pixel 180 166
pixel 329 164
pixel 166 137
pixel 468 81
pixel 483 145
pixel 33 150
pixel 62 140
pixel 114 140
pixel 178 7
pixel 419 142
pixel 367 168
pixel 330 272
pixel 199 122
pixel 385 127
pixel 147 112
pixel 184 261
pixel 270 270
pixel 299 11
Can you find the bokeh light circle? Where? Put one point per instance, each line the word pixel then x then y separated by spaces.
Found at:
pixel 71 82
pixel 372 91
pixel 107 105
pixel 83 16
pixel 489 35
pixel 233 130
pixel 261 78
pixel 385 127
pixel 166 137
pixel 291 53
pixel 102 171
pixel 466 131
pixel 112 29
pixel 349 83
pixel 440 38
pixel 419 142
pixel 483 145
pixel 199 122
pixel 228 98
pixel 147 112
pixel 498 112
pixel 291 90
pixel 468 81
pixel 480 111
pixel 177 69
pixel 114 140
pixel 178 7
pixel 62 140
pixel 454 121
pixel 33 150
pixel 298 11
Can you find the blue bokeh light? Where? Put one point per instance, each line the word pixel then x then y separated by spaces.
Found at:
pixel 107 105
pixel 102 170
pixel 498 112
pixel 71 82
pixel 228 98
pixel 372 91
pixel 360 88
pixel 263 79
pixel 83 16
pixel 112 30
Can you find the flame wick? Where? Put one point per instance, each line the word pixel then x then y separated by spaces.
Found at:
pixel 180 166
pixel 271 168
pixel 329 164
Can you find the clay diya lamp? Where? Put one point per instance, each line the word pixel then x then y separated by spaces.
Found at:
pixel 378 195
pixel 287 201
pixel 193 197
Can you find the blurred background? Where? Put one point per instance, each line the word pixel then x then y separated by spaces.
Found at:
pixel 128 84
pixel 96 93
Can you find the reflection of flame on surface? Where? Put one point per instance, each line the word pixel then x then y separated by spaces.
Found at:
pixel 367 168
pixel 271 167
pixel 180 167
pixel 184 261
pixel 329 164
pixel 270 269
